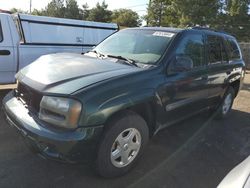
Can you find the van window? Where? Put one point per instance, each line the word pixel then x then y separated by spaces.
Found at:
pixel 216 50
pixel 95 36
pixel 233 50
pixel 56 34
pixel 1 33
pixel 192 46
pixel 18 26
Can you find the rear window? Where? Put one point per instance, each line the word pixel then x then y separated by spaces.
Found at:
pixel 216 50
pixel 233 50
pixel 1 33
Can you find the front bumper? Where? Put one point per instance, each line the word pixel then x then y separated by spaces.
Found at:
pixel 69 146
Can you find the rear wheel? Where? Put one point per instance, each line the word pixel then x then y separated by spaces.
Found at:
pixel 122 144
pixel 227 103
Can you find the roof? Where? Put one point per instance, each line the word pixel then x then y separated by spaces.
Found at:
pixel 169 29
pixel 214 31
pixel 178 30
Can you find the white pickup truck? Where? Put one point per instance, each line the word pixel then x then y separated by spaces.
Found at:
pixel 24 38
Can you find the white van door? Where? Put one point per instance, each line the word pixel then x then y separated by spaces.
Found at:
pixel 7 57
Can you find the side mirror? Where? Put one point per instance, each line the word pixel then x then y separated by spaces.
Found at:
pixel 182 63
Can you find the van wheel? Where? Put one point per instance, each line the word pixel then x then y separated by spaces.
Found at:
pixel 122 144
pixel 227 103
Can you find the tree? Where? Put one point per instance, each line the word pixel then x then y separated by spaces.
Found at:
pixel 126 17
pixel 55 9
pixel 235 18
pixel 156 11
pixel 39 12
pixel 15 10
pixel 195 12
pixel 100 13
pixel 72 10
pixel 84 12
pixel 232 16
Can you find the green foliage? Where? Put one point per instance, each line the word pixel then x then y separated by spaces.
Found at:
pixel 84 12
pixel 235 19
pixel 126 17
pixel 157 10
pixel 232 16
pixel 15 10
pixel 38 12
pixel 72 10
pixel 55 9
pixel 100 13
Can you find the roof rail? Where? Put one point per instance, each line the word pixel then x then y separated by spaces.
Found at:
pixel 210 29
pixel 202 28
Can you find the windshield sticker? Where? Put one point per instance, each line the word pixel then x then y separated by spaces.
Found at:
pixel 163 34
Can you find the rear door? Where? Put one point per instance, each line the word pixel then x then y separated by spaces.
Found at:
pixel 7 62
pixel 186 89
pixel 218 68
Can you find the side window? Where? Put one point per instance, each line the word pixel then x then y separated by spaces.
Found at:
pixel 192 48
pixel 214 49
pixel 223 51
pixel 234 51
pixel 18 28
pixel 1 33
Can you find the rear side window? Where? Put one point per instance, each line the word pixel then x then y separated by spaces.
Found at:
pixel 233 50
pixel 1 33
pixel 216 50
pixel 192 46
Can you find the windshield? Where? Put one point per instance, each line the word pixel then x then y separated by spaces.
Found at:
pixel 143 46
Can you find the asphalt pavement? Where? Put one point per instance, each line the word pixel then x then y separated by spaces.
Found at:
pixel 196 153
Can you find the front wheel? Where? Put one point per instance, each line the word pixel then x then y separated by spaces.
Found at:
pixel 227 103
pixel 122 144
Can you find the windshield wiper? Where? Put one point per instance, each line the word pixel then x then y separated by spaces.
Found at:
pixel 127 60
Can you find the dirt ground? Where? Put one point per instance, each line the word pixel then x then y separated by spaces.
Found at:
pixel 196 153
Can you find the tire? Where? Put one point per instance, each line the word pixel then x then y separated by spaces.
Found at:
pixel 226 106
pixel 122 144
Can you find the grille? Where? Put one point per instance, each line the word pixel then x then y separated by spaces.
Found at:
pixel 29 97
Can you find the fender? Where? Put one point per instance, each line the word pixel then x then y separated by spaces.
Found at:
pixel 118 103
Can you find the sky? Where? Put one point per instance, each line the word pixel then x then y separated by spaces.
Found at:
pixel 138 6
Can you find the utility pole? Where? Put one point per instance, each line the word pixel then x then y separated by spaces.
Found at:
pixel 30 5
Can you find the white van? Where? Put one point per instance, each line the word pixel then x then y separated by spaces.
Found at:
pixel 24 38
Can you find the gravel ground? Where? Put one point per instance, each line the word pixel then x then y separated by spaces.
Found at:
pixel 196 153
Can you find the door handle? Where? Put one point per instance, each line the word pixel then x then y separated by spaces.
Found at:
pixel 4 52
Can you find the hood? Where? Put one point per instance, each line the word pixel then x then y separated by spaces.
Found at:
pixel 65 73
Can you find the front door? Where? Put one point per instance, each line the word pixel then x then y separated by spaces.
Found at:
pixel 185 90
pixel 7 61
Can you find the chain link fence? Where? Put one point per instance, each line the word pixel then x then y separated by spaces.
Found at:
pixel 245 49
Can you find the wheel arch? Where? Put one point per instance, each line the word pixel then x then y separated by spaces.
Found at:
pixel 144 110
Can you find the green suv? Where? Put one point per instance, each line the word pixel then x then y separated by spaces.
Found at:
pixel 104 105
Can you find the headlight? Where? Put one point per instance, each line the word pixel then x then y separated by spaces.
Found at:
pixel 59 111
